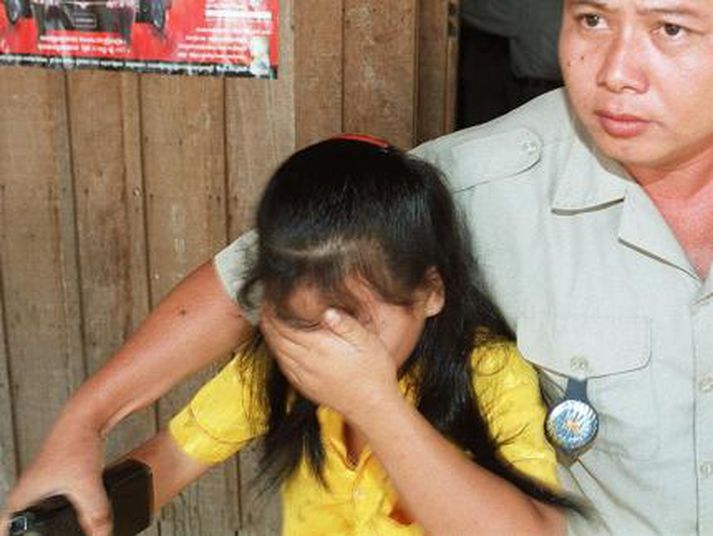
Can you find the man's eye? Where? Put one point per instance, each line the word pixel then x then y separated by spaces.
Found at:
pixel 591 20
pixel 672 30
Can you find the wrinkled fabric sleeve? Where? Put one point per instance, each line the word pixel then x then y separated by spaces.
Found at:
pixel 509 399
pixel 221 418
pixel 232 265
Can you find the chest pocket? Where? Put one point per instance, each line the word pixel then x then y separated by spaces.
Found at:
pixel 614 355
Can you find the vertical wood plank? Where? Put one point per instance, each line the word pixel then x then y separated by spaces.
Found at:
pixel 184 172
pixel 38 249
pixel 106 157
pixel 260 129
pixel 110 222
pixel 8 459
pixel 437 68
pixel 380 74
pixel 452 55
pixel 318 70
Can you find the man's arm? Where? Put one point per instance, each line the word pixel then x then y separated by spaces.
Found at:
pixel 194 325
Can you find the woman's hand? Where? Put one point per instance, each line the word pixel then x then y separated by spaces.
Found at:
pixel 70 464
pixel 341 364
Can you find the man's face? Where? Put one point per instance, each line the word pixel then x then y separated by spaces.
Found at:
pixel 639 74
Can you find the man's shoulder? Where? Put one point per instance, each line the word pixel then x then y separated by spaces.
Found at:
pixel 506 146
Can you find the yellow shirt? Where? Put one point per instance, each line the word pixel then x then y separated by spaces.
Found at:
pixel 223 417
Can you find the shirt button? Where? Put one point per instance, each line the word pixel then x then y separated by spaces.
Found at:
pixel 707 469
pixel 706 384
pixel 579 363
pixel 530 147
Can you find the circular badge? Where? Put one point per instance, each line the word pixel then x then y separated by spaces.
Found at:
pixel 572 425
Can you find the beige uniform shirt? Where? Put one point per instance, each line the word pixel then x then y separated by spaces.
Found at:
pixel 596 287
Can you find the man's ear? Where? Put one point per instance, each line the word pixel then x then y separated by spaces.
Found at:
pixel 435 293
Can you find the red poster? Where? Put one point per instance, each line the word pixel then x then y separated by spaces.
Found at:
pixel 207 37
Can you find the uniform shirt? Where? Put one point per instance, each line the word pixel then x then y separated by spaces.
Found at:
pixel 596 286
pixel 224 416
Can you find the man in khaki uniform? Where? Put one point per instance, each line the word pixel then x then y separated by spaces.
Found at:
pixel 592 220
pixel 590 213
pixel 592 223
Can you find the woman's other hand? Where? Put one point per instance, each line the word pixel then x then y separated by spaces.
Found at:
pixel 340 364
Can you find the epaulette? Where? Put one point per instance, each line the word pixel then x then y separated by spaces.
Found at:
pixel 504 147
pixel 499 155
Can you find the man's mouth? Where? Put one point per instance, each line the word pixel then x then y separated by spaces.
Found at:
pixel 620 125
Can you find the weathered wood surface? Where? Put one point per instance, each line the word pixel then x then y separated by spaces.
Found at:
pixel 437 73
pixel 380 69
pixel 8 460
pixel 43 316
pixel 113 186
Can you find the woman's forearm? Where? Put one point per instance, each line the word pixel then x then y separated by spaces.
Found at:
pixel 440 487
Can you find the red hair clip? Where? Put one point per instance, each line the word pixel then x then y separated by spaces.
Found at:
pixel 365 138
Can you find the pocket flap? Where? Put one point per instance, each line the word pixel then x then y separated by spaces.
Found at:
pixel 584 346
pixel 500 155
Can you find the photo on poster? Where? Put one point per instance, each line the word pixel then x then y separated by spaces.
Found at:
pixel 200 37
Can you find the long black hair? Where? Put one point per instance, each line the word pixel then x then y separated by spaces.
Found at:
pixel 354 207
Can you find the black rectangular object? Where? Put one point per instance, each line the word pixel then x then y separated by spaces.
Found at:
pixel 128 485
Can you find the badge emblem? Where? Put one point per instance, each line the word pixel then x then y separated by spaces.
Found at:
pixel 572 423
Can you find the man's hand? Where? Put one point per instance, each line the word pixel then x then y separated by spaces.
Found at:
pixel 194 325
pixel 70 464
pixel 340 365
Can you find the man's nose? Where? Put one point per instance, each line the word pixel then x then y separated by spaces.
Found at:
pixel 623 65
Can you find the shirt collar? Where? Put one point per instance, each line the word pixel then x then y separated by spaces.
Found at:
pixel 588 180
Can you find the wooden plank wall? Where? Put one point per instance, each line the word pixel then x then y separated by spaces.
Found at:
pixel 113 186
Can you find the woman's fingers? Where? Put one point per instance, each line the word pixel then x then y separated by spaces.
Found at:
pixel 340 329
pixel 337 364
pixel 346 327
pixel 280 337
pixel 290 355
